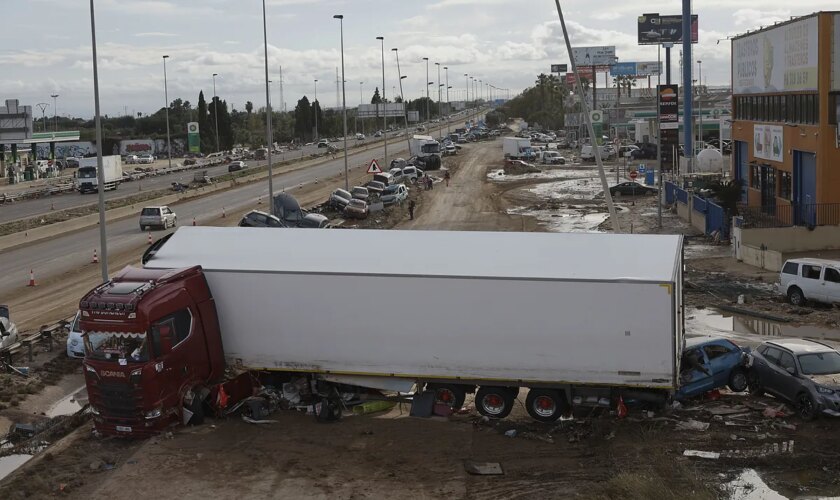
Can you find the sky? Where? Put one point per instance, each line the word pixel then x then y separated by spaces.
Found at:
pixel 45 46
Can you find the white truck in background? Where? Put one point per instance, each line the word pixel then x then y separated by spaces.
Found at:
pixel 518 148
pixel 427 150
pixel 87 180
pixel 550 157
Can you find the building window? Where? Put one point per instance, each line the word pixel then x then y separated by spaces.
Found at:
pixel 834 108
pixel 755 176
pixel 785 185
pixel 771 181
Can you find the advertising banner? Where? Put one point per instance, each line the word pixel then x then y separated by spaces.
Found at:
pixel 391 110
pixel 583 71
pixel 559 68
pixel 782 59
pixel 648 68
pixel 594 56
pixel 669 123
pixel 654 29
pixel 193 137
pixel 768 142
pixel 413 116
pixel 623 69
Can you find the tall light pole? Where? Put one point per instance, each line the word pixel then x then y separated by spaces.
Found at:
pixel 166 98
pixel 382 97
pixel 55 108
pixel 269 134
pixel 316 109
pixel 216 111
pixel 427 88
pixel 340 18
pixel 43 107
pixel 438 103
pixel 100 174
pixel 699 105
pixel 467 89
pixel 361 101
pixel 448 105
pixel 402 100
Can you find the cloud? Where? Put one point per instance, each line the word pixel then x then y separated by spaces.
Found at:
pixel 609 15
pixel 442 4
pixel 155 34
pixel 754 18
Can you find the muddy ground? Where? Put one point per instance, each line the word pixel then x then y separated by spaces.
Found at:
pixel 392 455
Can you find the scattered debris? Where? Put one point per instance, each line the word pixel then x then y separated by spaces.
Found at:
pixel 778 412
pixel 701 454
pixel 511 433
pixel 483 468
pixel 692 425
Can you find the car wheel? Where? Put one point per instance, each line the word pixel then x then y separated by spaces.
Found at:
pixel 545 405
pixel 796 297
pixel 494 402
pixel 806 407
pixel 738 381
pixel 174 221
pixel 754 385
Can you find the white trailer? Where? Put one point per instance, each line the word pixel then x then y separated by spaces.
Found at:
pixel 517 148
pixel 574 317
pixel 87 179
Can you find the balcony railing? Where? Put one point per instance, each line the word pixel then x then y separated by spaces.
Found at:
pixel 784 215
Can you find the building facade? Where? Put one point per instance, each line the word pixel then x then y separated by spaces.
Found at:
pixel 786 149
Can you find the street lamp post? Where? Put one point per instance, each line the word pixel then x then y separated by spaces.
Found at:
pixel 402 100
pixel 427 88
pixel 166 98
pixel 438 103
pixel 466 89
pixel 55 112
pixel 316 109
pixel 448 105
pixel 382 98
pixel 216 112
pixel 269 134
pixel 100 174
pixel 699 105
pixel 361 101
pixel 340 18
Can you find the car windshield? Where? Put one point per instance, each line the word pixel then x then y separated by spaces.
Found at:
pixel 150 211
pixel 357 203
pixel 821 363
pixel 117 346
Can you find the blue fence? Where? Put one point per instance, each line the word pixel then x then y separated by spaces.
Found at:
pixel 717 220
pixel 669 192
pixel 699 204
pixel 682 195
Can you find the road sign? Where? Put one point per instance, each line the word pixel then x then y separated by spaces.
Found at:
pixel 642 169
pixel 633 175
pixel 373 168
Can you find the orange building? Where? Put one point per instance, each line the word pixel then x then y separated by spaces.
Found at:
pixel 786 144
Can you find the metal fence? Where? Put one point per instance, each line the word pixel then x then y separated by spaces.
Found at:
pixel 698 204
pixel 784 215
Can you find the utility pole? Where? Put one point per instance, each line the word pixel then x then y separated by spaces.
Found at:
pixel 340 18
pixel 216 111
pixel 438 103
pixel 166 98
pixel 282 99
pixel 427 89
pixel 384 104
pixel 402 100
pixel 316 110
pixel 55 111
pixel 43 106
pixel 269 133
pixel 448 105
pixel 100 174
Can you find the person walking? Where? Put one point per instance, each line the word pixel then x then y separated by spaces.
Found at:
pixel 411 205
pixel 446 176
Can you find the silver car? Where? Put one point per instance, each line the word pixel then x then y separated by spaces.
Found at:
pixel 75 344
pixel 160 216
pixel 805 373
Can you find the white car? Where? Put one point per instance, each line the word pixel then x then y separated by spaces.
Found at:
pixel 396 193
pixel 157 216
pixel 8 330
pixel 806 279
pixel 146 159
pixel 75 344
pixel 412 173
pixel 360 137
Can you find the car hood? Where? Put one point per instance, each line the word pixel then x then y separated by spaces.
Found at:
pixel 830 380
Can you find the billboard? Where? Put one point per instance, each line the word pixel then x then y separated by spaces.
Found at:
pixel 413 116
pixel 193 137
pixel 391 109
pixel 137 146
pixel 654 29
pixel 648 68
pixel 669 123
pixel 583 71
pixel 781 59
pixel 768 142
pixel 594 56
pixel 559 68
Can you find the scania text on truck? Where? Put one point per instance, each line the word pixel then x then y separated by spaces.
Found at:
pixel 87 180
pixel 577 319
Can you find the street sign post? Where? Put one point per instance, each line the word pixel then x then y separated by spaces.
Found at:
pixel 633 175
pixel 373 168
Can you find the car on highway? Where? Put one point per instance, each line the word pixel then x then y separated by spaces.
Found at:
pixel 257 218
pixel 818 280
pixel 339 199
pixel 356 209
pixel 236 166
pixel 375 187
pixel 159 216
pixel 314 221
pixel 360 137
pixel 324 143
pixel 804 373
pixel 8 330
pixel 145 159
pixel 394 194
pixel 75 343
pixel 632 189
pixel 709 363
pixel 360 193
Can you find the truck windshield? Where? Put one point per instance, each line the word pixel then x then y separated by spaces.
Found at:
pixel 430 148
pixel 87 173
pixel 116 346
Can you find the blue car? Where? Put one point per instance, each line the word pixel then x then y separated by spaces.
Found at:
pixel 709 363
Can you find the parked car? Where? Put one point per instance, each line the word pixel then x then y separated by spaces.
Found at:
pixel 146 159
pixel 394 194
pixel 257 218
pixel 75 344
pixel 709 363
pixel 324 143
pixel 627 151
pixel 360 193
pixel 385 178
pixel 339 199
pixel 357 209
pixel 236 166
pixel 314 221
pixel 8 330
pixel 805 373
pixel 397 175
pixel 805 279
pixel 450 150
pixel 159 216
pixel 412 173
pixel 360 137
pixel 631 189
pixel 646 151
pixel 375 187
pixel 378 133
pixel 130 159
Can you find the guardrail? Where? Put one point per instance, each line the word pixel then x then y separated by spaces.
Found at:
pixel 27 340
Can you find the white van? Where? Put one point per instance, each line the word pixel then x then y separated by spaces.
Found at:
pixel 806 279
pixel 384 178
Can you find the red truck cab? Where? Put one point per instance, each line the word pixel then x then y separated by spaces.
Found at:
pixel 152 349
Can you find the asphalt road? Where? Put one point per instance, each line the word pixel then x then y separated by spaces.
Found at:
pixel 73 250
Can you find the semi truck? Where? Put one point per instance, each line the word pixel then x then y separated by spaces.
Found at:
pixel 87 180
pixel 427 150
pixel 518 148
pixel 576 319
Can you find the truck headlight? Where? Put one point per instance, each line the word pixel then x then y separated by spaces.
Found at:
pixel 824 390
pixel 156 413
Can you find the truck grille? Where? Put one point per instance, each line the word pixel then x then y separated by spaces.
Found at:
pixel 119 401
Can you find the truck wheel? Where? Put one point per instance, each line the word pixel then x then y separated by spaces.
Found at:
pixel 494 402
pixel 738 381
pixel 330 410
pixel 545 405
pixel 451 395
pixel 795 296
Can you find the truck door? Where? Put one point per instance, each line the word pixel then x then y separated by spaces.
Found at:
pixel 171 339
pixel 831 283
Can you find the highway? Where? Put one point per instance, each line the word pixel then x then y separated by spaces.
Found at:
pixel 71 251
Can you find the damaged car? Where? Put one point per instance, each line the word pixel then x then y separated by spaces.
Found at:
pixel 710 363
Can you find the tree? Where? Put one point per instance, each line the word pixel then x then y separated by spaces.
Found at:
pixel 303 119
pixel 202 122
pixel 377 99
pixel 249 107
pixel 728 193
pixel 317 116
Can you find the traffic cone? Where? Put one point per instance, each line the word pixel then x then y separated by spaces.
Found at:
pixel 95 257
pixel 32 278
pixel 193 221
pixel 150 237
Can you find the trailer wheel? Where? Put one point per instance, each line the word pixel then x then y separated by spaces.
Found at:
pixel 451 395
pixel 494 402
pixel 330 410
pixel 545 405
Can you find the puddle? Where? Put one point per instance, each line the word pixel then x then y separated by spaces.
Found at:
pixel 565 221
pixel 704 320
pixel 10 463
pixel 569 171
pixel 749 486
pixel 70 404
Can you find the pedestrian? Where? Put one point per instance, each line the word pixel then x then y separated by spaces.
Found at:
pixel 426 182
pixel 431 184
pixel 411 210
pixel 446 176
